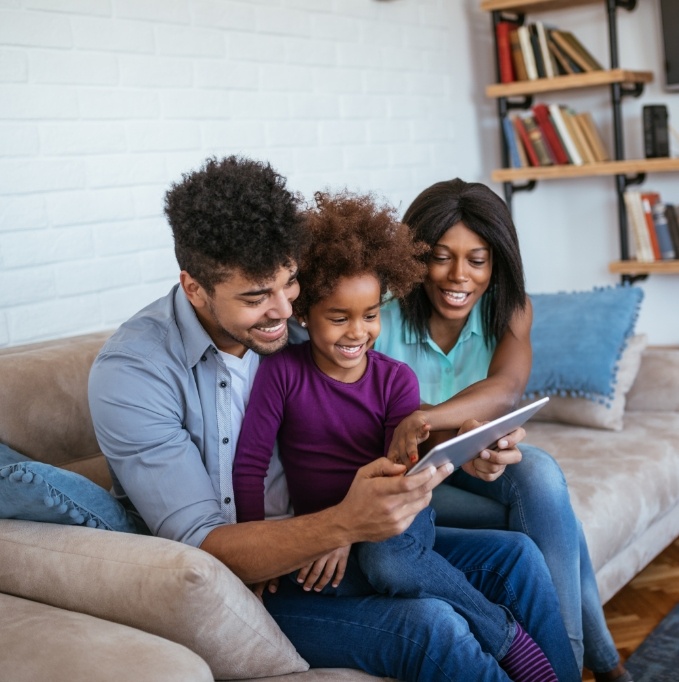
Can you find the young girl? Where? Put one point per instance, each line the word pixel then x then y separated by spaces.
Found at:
pixel 333 404
pixel 465 331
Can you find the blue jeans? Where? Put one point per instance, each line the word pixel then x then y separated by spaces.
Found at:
pixel 407 566
pixel 532 497
pixel 425 639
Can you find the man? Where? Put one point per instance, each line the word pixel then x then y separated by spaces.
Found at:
pixel 167 395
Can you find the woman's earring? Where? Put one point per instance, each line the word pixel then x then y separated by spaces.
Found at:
pixel 303 324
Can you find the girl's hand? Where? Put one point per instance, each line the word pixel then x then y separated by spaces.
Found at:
pixel 270 585
pixel 491 463
pixel 412 431
pixel 330 567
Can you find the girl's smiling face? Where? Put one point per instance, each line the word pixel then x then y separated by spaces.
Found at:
pixel 343 326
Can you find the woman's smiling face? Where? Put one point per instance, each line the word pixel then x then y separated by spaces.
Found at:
pixel 460 268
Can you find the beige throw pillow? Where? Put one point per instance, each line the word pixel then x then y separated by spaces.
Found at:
pixel 168 589
pixel 584 412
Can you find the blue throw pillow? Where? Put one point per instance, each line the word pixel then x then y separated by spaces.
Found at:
pixel 34 491
pixel 578 339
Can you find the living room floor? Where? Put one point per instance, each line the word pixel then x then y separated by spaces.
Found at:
pixel 636 610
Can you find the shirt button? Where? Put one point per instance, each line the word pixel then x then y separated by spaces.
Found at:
pixel 214 350
pixel 222 384
pixel 225 440
pixel 204 358
pixel 227 500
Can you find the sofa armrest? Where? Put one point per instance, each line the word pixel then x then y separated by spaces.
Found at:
pixel 41 642
pixel 163 587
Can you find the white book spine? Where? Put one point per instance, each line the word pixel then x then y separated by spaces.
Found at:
pixel 560 124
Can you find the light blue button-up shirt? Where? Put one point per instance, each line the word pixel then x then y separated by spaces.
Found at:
pixel 441 375
pixel 160 397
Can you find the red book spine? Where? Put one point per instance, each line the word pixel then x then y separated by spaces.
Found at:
pixel 525 138
pixel 541 113
pixel 648 200
pixel 504 51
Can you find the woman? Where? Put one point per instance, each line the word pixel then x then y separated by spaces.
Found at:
pixel 466 332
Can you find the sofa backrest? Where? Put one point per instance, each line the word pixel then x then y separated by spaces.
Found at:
pixel 656 388
pixel 44 413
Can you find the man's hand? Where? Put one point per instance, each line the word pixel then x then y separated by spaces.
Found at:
pixel 491 463
pixel 412 431
pixel 319 573
pixel 381 502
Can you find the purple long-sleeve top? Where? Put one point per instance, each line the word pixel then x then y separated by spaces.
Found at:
pixel 326 429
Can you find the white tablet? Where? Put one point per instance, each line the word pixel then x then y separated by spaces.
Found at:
pixel 462 448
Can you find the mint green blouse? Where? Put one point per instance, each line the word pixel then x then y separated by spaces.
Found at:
pixel 441 376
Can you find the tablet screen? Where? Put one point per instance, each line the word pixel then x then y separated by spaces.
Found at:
pixel 462 448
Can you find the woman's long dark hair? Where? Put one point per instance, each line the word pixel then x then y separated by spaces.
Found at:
pixel 433 212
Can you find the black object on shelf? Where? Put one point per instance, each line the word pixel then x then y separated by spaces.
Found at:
pixel 656 133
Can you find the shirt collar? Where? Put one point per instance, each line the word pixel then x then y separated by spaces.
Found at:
pixel 196 340
pixel 473 326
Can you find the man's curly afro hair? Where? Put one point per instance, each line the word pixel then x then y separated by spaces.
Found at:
pixel 353 235
pixel 234 214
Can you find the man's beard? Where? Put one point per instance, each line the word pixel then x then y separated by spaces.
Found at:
pixel 248 341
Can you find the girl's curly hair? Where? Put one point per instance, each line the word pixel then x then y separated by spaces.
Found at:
pixel 232 214
pixel 353 234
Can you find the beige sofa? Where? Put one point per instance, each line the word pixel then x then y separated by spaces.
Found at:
pixel 82 604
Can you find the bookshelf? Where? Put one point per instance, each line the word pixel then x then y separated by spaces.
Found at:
pixel 622 82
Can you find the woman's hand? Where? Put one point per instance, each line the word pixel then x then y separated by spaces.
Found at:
pixel 412 431
pixel 490 464
pixel 319 573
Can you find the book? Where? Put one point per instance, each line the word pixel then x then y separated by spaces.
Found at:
pixel 547 57
pixel 566 64
pixel 538 140
pixel 593 136
pixel 568 143
pixel 504 51
pixel 571 46
pixel 578 135
pixel 662 231
pixel 648 201
pixel 637 226
pixel 517 56
pixel 543 119
pixel 527 52
pixel 511 142
pixel 672 215
pixel 537 51
pixel 526 142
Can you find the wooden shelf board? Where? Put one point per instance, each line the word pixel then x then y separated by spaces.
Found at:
pixel 568 82
pixel 626 167
pixel 523 6
pixel 633 267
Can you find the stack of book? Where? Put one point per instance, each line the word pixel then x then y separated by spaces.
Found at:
pixel 536 51
pixel 553 134
pixel 653 226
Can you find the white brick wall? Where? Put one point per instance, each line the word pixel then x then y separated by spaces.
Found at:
pixel 104 103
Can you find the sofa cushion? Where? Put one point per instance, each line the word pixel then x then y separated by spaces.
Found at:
pixel 578 339
pixel 583 412
pixel 163 587
pixel 41 642
pixel 34 491
pixel 655 388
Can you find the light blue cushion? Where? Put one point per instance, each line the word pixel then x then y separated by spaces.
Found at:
pixel 34 491
pixel 578 339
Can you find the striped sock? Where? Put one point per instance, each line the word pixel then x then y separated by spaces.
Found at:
pixel 525 660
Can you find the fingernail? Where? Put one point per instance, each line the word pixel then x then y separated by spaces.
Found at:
pixel 449 467
pixel 503 443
